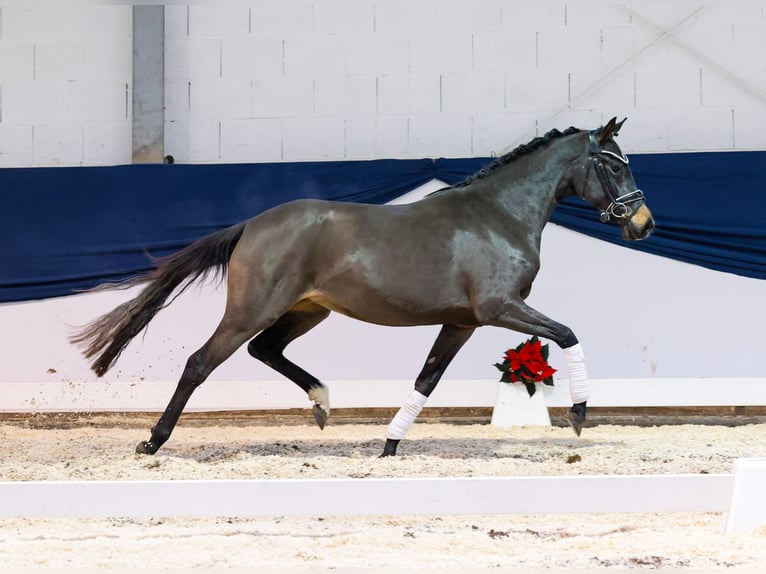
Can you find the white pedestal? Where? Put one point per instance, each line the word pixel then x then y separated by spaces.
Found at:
pixel 514 406
pixel 747 510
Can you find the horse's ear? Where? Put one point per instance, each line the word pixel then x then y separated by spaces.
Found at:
pixel 617 127
pixel 606 132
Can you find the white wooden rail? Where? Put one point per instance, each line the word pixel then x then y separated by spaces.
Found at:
pixel 268 395
pixel 397 496
pixel 409 496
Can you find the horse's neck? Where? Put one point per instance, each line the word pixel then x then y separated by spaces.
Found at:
pixel 528 193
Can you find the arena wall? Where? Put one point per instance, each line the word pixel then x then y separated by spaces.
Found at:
pixel 269 81
pixel 338 80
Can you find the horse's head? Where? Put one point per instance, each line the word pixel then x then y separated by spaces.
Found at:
pixel 607 183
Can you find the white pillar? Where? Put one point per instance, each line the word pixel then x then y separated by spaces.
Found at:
pixel 148 83
pixel 747 509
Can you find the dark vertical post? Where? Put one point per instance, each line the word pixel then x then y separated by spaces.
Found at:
pixel 148 83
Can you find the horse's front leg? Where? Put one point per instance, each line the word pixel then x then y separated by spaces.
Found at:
pixel 446 346
pixel 522 318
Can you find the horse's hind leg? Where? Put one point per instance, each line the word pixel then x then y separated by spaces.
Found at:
pixel 269 345
pixel 228 337
pixel 446 346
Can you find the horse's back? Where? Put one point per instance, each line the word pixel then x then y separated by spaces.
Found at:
pixel 304 233
pixel 337 222
pixel 367 261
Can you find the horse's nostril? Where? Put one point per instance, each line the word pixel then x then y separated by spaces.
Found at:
pixel 646 231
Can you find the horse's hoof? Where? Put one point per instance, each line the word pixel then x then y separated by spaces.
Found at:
pixel 576 417
pixel 390 448
pixel 321 409
pixel 320 415
pixel 146 447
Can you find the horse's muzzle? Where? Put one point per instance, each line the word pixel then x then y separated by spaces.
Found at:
pixel 639 225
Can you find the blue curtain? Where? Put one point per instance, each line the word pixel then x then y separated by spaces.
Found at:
pixel 69 229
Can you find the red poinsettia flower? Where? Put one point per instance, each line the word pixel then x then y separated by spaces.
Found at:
pixel 514 359
pixel 547 372
pixel 528 364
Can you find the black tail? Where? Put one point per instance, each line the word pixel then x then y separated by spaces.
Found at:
pixel 107 336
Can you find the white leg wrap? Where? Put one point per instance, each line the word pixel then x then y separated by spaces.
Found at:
pixel 403 420
pixel 579 389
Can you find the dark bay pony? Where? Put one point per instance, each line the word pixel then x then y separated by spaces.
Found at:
pixel 462 257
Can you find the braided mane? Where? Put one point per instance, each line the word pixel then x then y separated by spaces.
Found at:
pixel 520 151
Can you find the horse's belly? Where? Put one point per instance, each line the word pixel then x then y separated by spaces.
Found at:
pixel 392 311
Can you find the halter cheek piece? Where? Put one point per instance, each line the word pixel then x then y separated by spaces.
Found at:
pixel 619 206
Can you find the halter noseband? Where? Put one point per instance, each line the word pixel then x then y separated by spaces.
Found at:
pixel 618 208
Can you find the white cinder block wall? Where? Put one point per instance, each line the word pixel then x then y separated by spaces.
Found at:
pixel 65 76
pixel 365 79
pixel 361 79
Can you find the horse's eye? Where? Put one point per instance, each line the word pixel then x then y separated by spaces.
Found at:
pixel 615 169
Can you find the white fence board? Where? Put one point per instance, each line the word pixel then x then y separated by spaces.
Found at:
pixel 268 395
pixel 403 496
